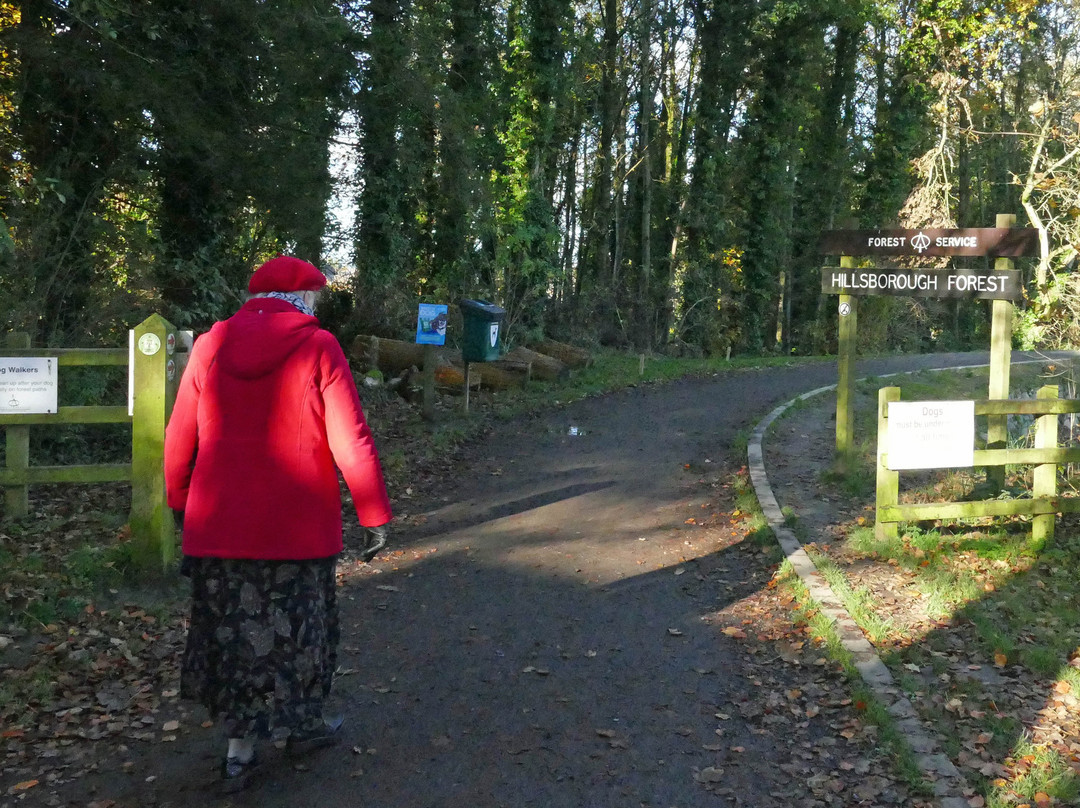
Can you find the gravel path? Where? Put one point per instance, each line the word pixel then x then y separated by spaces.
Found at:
pixel 575 621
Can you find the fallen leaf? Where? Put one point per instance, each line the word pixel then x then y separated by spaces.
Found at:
pixel 732 631
pixel 710 775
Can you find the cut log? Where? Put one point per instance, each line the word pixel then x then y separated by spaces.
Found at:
pixel 490 375
pixel 391 356
pixel 570 355
pixel 502 374
pixel 451 379
pixel 364 353
pixel 543 366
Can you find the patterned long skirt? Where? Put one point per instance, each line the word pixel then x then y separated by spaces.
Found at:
pixel 262 643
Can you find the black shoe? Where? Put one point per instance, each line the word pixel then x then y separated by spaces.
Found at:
pixel 326 735
pixel 235 775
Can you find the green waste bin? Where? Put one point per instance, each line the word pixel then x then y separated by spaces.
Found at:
pixel 483 322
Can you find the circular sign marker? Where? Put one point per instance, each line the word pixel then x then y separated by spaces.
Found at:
pixel 149 344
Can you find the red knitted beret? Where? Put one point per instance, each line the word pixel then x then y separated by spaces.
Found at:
pixel 286 274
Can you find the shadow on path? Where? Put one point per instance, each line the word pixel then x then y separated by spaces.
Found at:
pixel 553 634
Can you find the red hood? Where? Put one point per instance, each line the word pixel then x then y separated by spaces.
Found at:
pixel 261 336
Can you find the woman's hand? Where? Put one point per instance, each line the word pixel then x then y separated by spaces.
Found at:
pixel 374 541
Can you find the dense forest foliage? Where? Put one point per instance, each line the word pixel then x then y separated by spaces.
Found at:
pixel 647 173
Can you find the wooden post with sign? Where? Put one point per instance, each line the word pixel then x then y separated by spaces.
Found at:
pixel 1001 285
pixel 845 387
pixel 431 333
pixel 155 377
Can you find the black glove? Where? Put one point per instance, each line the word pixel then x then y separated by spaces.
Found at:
pixel 374 540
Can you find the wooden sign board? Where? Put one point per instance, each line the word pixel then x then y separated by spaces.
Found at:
pixel 966 284
pixel 1005 242
pixel 931 435
pixel 431 324
pixel 28 385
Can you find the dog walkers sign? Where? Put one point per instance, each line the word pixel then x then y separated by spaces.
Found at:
pixel 28 385
pixel 931 435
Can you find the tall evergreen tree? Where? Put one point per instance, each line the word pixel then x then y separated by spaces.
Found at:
pixel 713 276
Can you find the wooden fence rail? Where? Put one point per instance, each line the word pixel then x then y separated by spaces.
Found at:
pixel 1045 456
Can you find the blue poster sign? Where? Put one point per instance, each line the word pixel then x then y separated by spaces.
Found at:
pixel 431 324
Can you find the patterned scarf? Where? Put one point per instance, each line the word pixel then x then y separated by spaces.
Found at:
pixel 294 299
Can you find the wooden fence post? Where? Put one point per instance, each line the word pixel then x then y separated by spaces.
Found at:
pixel 154 376
pixel 888 481
pixel 1044 477
pixel 431 359
pixel 997 426
pixel 17 448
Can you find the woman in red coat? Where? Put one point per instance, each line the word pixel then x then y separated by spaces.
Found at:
pixel 266 415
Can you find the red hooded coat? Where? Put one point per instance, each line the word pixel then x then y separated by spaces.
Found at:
pixel 266 414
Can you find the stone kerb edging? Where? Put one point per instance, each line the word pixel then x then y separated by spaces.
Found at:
pixel 949 783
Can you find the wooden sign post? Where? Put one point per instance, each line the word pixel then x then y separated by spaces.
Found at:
pixel 1002 285
pixel 431 333
pixel 155 377
pixel 997 426
pixel 848 311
